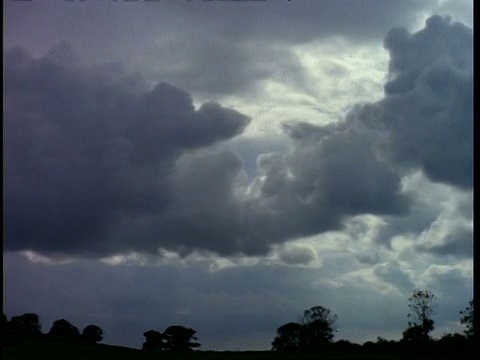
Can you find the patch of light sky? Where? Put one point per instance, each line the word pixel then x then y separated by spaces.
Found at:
pixel 339 75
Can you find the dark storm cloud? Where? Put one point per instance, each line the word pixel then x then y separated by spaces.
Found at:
pixel 95 163
pixel 330 174
pixel 428 107
pixel 243 43
pixel 427 119
pixel 275 21
pixel 219 66
pixel 85 147
pixel 208 47
pixel 205 212
pixel 300 21
pixel 427 111
pixel 355 167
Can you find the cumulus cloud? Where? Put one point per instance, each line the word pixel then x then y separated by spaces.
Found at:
pixel 331 173
pixel 99 163
pixel 428 107
pixel 86 148
pixel 298 255
pixel 355 167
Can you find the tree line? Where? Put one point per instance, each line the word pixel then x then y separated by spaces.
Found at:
pixel 175 338
pixel 313 331
pixel 29 323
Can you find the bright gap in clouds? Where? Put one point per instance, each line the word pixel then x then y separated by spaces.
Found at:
pixel 335 74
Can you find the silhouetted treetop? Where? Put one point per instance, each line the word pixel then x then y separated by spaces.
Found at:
pixel 317 313
pixel 27 323
pixel 63 329
pixel 318 325
pixel 92 334
pixel 467 320
pixel 314 331
pixel 422 305
pixel 179 338
pixel 289 337
pixel 153 340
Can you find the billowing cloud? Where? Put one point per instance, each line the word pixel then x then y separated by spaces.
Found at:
pixel 428 107
pixel 87 146
pixel 97 162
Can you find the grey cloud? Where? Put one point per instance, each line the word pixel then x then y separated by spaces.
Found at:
pixel 220 66
pixel 393 274
pixel 123 170
pixel 243 45
pixel 434 205
pixel 283 21
pixel 368 258
pixel 249 148
pixel 205 212
pixel 428 115
pixel 85 148
pixel 210 48
pixel 428 107
pixel 424 122
pixel 302 21
pixel 298 255
pixel 331 173
pixel 458 242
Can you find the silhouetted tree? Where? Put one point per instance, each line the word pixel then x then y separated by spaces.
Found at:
pixel 422 305
pixel 345 345
pixel 179 338
pixel 317 327
pixel 92 334
pixel 467 319
pixel 413 334
pixel 153 341
pixel 313 331
pixel 63 329
pixel 385 345
pixel 289 337
pixel 26 323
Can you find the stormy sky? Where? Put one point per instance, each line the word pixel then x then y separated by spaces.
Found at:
pixel 225 165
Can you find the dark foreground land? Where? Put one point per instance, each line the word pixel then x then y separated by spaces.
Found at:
pixel 39 347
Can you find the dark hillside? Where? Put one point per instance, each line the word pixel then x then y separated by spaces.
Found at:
pixel 40 346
